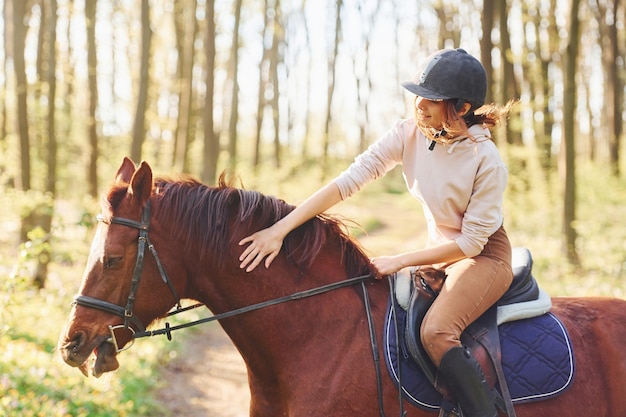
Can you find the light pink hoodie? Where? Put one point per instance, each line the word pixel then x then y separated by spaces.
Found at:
pixel 460 185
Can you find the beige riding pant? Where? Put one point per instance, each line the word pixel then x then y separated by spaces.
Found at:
pixel 472 285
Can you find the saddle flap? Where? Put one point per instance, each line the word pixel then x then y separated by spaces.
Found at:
pixel 524 286
pixel 419 305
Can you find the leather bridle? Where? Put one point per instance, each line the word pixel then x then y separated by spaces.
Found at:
pixel 127 312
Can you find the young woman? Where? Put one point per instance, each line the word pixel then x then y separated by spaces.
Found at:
pixel 452 167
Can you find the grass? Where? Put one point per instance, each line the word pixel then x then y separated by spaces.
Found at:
pixel 35 382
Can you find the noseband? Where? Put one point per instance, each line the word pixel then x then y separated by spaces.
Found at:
pixel 127 312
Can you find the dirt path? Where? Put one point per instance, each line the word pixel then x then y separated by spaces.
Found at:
pixel 208 378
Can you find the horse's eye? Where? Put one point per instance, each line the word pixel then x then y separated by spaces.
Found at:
pixel 110 263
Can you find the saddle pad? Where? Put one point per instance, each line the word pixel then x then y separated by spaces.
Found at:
pixel 537 359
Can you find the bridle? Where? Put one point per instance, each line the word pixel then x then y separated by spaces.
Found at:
pixel 140 331
pixel 127 312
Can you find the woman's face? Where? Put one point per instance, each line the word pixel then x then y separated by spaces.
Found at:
pixel 429 113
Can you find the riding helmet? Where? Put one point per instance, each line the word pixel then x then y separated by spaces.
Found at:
pixel 451 74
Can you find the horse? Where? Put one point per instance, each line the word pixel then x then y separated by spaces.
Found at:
pixel 314 354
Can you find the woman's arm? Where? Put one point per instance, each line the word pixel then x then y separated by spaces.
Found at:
pixel 266 243
pixel 445 253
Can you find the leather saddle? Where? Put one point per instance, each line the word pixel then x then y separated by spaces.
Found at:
pixel 523 299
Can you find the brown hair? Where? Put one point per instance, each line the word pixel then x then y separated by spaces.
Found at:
pixel 457 127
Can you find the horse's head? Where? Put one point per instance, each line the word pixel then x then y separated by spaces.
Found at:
pixel 105 313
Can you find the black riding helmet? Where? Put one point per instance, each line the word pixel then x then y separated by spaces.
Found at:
pixel 451 74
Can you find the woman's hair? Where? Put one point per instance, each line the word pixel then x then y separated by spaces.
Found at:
pixel 457 127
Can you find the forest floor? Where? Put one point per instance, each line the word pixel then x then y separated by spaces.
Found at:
pixel 207 379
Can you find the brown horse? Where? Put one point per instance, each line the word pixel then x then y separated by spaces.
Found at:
pixel 310 357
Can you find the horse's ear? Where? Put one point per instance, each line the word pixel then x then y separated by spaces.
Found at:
pixel 141 183
pixel 125 171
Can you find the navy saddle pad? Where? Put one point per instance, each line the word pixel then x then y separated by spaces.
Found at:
pixel 537 359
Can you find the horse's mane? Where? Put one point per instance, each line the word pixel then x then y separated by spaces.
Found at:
pixel 211 216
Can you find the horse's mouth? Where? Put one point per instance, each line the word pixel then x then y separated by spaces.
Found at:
pixel 106 359
pixel 102 359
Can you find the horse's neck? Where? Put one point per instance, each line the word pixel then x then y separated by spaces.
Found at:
pixel 323 326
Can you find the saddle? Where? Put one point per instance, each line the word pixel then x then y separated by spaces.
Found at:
pixel 523 299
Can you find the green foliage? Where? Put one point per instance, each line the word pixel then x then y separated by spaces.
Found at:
pixel 35 249
pixel 534 212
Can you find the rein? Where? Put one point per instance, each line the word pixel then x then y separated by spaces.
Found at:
pixel 130 318
pixel 295 296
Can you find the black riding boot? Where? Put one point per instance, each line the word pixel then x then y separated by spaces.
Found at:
pixel 466 381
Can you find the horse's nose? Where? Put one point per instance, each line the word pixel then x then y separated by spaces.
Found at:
pixel 71 348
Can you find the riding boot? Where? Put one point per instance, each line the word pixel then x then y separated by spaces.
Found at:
pixel 466 381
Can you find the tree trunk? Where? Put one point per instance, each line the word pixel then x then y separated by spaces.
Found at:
pixel 448 31
pixel 69 76
pixel 92 65
pixel 486 45
pixel 544 52
pixel 211 140
pixel 187 34
pixel 568 149
pixel 7 8
pixel 332 71
pixel 52 88
pixel 363 76
pixel 19 65
pixel 234 104
pixel 275 59
pixel 139 127
pixel 49 76
pixel 3 92
pixel 262 84
pixel 309 87
pixel 614 90
pixel 510 88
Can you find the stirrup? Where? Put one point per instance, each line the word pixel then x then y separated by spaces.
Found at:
pixel 449 409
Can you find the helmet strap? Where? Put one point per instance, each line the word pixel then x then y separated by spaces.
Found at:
pixel 459 104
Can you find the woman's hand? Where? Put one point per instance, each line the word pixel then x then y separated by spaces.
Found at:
pixel 265 243
pixel 386 265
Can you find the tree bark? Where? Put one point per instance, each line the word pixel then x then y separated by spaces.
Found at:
pixel 263 68
pixel 309 87
pixel 332 71
pixel 509 85
pixel 211 139
pixel 363 76
pixel 8 37
pixel 92 65
pixel 614 91
pixel 547 49
pixel 568 150
pixel 275 59
pixel 139 127
pixel 486 45
pixel 21 91
pixel 234 104
pixel 187 34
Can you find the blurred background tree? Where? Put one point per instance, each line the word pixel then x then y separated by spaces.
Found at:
pixel 197 86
